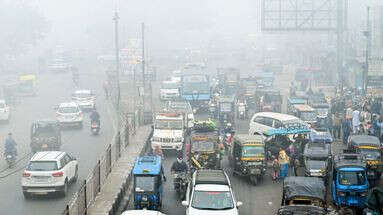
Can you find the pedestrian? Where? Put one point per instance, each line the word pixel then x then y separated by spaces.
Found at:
pixel 105 86
pixel 355 121
pixel 158 151
pixel 346 129
pixel 284 161
pixel 276 168
pixel 337 126
pixel 329 122
pixel 380 126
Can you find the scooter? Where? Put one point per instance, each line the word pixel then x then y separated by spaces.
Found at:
pixel 95 127
pixel 180 184
pixel 11 160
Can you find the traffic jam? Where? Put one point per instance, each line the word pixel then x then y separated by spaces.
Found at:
pixel 325 153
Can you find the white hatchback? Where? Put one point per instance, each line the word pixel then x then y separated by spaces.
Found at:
pixel 48 172
pixel 69 114
pixel 85 99
pixel 4 111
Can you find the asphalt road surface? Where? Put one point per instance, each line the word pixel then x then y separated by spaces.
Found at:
pixel 53 89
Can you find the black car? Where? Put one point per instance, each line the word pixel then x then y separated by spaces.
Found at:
pixel 45 136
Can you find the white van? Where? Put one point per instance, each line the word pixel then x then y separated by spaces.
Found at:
pixel 261 122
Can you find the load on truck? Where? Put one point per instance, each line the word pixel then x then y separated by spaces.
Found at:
pixel 169 130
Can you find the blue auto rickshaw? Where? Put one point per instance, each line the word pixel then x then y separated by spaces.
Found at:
pixel 148 175
pixel 350 184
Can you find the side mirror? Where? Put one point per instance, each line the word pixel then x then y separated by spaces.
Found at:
pixel 185 203
pixel 239 204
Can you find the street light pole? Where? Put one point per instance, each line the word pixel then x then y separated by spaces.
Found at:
pixel 367 35
pixel 143 63
pixel 116 18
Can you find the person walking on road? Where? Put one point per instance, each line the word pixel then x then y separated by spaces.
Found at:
pixel 284 161
pixel 337 126
pixel 355 121
pixel 346 129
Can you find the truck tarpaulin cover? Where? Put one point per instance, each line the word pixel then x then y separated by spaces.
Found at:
pixel 304 187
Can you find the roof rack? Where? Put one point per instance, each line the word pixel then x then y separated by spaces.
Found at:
pixel 211 177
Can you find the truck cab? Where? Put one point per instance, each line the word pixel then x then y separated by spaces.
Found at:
pixel 169 131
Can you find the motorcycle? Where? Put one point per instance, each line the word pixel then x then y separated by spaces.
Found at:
pixel 180 184
pixel 95 127
pixel 11 159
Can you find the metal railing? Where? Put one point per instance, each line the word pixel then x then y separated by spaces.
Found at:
pixel 91 186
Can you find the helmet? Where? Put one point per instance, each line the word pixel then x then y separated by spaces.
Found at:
pixel 179 159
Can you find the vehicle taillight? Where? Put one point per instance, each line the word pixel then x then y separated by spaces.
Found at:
pixel 26 174
pixel 58 174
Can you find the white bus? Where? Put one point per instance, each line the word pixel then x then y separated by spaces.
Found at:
pixel 262 122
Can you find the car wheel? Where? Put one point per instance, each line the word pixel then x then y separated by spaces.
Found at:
pixel 26 195
pixel 65 189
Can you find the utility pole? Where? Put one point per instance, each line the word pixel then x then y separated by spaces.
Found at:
pixel 340 51
pixel 116 18
pixel 367 34
pixel 143 63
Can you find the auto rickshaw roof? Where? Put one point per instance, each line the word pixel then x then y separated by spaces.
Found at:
pixel 311 187
pixel 364 140
pixel 147 165
pixel 297 101
pixel 349 159
pixel 249 139
pixel 27 77
pixel 320 137
pixel 301 210
pixel 205 176
pixel 317 150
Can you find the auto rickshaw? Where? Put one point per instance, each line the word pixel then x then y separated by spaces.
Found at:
pixel 226 109
pixel 349 180
pixel 247 157
pixel 148 175
pixel 317 160
pixel 370 147
pixel 304 191
pixel 204 149
pixel 27 85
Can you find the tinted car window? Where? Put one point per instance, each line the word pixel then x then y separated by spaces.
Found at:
pixel 268 122
pixel 42 166
pixel 260 119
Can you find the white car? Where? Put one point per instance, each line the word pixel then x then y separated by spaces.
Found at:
pixel 49 172
pixel 210 193
pixel 69 114
pixel 85 99
pixel 4 111
pixel 142 212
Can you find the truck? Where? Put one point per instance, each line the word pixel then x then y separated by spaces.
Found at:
pixel 184 107
pixel 169 131
pixel 196 88
pixel 229 80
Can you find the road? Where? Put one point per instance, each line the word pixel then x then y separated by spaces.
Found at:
pixel 53 89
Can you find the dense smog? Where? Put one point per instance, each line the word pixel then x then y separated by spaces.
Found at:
pixel 253 107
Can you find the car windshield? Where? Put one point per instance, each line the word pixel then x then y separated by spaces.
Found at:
pixel 253 151
pixel 352 177
pixel 82 95
pixel 68 110
pixel 316 164
pixel 308 116
pixel 371 154
pixel 173 124
pixel 212 200
pixel 169 86
pixel 42 166
pixel 145 183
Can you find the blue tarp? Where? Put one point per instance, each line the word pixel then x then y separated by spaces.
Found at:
pixel 286 131
pixel 296 101
pixel 196 97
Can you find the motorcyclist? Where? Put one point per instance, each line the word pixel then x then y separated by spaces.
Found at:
pixel 95 116
pixel 179 166
pixel 10 146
